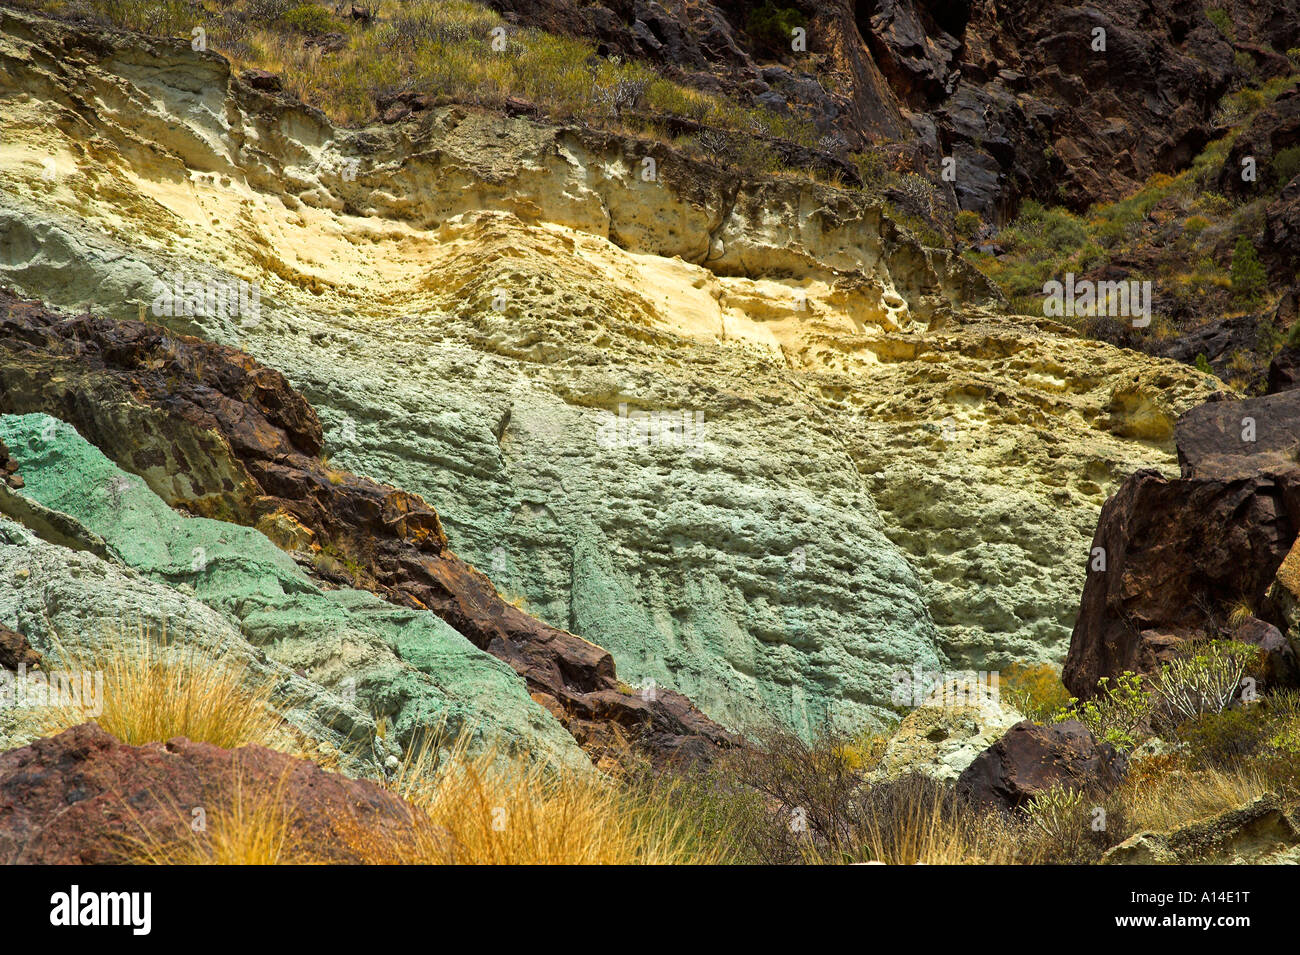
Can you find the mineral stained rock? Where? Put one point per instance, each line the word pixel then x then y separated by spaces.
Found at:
pixel 859 464
pixel 214 432
pixel 406 664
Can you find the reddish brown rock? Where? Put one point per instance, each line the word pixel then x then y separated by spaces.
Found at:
pixel 1031 759
pixel 15 651
pixel 1280 664
pixel 82 797
pixel 213 431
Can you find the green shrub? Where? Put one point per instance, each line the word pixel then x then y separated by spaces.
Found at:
pixel 1222 21
pixel 1220 740
pixel 1286 165
pixel 1115 714
pixel 308 18
pixel 966 224
pixel 772 26
pixel 1248 275
pixel 1203 364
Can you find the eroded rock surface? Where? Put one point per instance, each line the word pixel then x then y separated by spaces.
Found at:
pixel 212 431
pixel 890 470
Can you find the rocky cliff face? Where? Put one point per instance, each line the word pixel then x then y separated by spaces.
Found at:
pixel 749 436
pixel 1028 97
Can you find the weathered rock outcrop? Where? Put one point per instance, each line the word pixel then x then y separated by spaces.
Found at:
pixel 493 314
pixel 1023 94
pixel 941 741
pixel 1031 759
pixel 160 396
pixel 1171 557
pixel 81 797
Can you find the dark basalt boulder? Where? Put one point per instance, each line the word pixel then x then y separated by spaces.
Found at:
pixel 1178 553
pixel 1031 759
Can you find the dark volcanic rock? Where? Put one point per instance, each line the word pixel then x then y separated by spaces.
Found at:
pixel 211 430
pixel 1031 759
pixel 1273 129
pixel 1228 440
pixel 82 797
pixel 1179 552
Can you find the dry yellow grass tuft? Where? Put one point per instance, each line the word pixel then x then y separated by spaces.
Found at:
pixel 1169 795
pixel 154 690
pixel 477 809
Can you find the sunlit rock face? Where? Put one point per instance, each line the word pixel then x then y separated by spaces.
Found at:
pixel 750 437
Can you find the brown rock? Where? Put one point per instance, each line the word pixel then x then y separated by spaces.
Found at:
pixel 82 797
pixel 1031 759
pixel 15 651
pixel 1281 667
pixel 1179 552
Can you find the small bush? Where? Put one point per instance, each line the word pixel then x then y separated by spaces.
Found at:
pixel 1286 165
pixel 308 18
pixel 1221 740
pixel 966 224
pixel 1248 276
pixel 1115 714
pixel 1222 21
pixel 1035 689
pixel 1063 821
pixel 1205 678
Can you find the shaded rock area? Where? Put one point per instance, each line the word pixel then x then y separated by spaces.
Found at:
pixel 1031 759
pixel 213 431
pixel 82 797
pixel 1017 92
pixel 1172 557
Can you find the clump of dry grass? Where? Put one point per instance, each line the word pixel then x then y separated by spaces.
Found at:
pixel 916 821
pixel 154 690
pixel 485 808
pixel 1167 793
